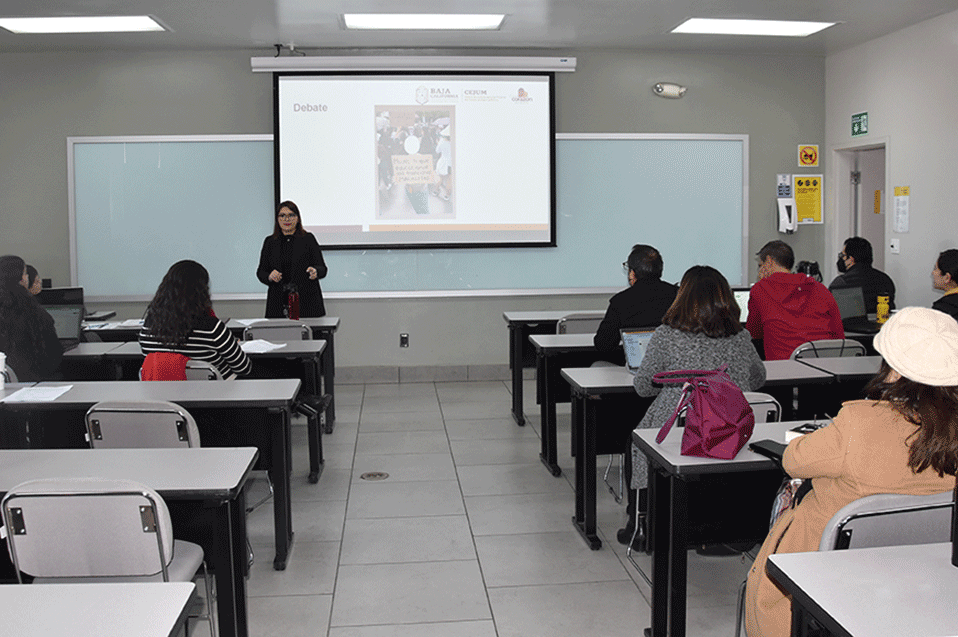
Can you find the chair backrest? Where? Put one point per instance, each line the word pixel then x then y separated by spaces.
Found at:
pixel 278 330
pixel 87 527
pixel 579 323
pixel 202 370
pixel 9 375
pixel 890 519
pixel 149 424
pixel 764 406
pixel 828 348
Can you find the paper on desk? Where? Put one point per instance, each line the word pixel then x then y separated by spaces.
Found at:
pixel 96 326
pixel 248 322
pixel 258 345
pixel 131 323
pixel 37 394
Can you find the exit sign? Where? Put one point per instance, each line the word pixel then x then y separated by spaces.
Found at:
pixel 859 124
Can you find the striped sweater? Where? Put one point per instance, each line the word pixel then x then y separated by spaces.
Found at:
pixel 209 341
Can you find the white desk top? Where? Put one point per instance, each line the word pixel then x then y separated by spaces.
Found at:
pixel 599 380
pixel 90 350
pixel 207 471
pixel 847 367
pixel 669 453
pixel 562 342
pixel 330 323
pixel 541 316
pixel 273 392
pixel 131 349
pixel 877 592
pixel 94 610
pixel 790 372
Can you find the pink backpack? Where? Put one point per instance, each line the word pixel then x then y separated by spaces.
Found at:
pixel 719 420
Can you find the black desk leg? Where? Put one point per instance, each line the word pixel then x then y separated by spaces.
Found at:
pixel 549 454
pixel 515 363
pixel 329 381
pixel 679 541
pixel 279 474
pixel 315 439
pixel 229 563
pixel 659 506
pixel 584 422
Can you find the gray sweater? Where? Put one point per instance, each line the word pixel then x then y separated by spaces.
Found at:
pixel 672 349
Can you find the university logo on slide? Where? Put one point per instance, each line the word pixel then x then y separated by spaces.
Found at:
pixel 523 96
pixel 422 95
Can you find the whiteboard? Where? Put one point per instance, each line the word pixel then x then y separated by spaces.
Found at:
pixel 138 204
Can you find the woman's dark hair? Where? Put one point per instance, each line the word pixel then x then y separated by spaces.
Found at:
pixel 948 263
pixel 180 303
pixel 646 262
pixel 704 305
pixel 31 275
pixel 277 231
pixel 934 410
pixel 21 317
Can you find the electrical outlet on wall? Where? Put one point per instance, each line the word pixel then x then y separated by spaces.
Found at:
pixel 894 246
pixel 404 340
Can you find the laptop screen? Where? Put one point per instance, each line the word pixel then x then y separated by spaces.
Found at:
pixel 66 321
pixel 851 302
pixel 741 297
pixel 635 342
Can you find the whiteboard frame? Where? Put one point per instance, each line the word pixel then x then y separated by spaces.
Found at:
pixel 404 294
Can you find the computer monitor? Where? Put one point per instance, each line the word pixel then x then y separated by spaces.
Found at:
pixel 850 302
pixel 61 296
pixel 741 297
pixel 66 322
pixel 634 343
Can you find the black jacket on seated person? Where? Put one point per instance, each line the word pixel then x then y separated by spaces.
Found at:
pixel 874 283
pixel 641 305
pixel 947 304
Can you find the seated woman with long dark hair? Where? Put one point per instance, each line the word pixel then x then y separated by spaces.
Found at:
pixel 902 439
pixel 701 330
pixel 27 334
pixel 180 320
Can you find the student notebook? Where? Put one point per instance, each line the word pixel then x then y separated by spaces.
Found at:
pixel 635 342
pixel 66 321
pixel 851 307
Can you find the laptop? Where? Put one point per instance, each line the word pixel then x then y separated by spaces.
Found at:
pixel 66 321
pixel 851 307
pixel 635 341
pixel 741 297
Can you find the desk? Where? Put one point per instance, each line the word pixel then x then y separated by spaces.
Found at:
pixel 911 590
pixel 597 393
pixel 203 485
pixel 324 328
pixel 521 325
pixel 273 397
pixel 553 352
pixel 96 610
pixel 847 368
pixel 674 523
pixel 308 352
pixel 782 377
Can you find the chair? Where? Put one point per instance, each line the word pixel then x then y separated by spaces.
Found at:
pixel 9 376
pixel 764 406
pixel 828 348
pixel 579 323
pixel 96 530
pixel 202 370
pixel 279 330
pixel 148 424
pixel 883 519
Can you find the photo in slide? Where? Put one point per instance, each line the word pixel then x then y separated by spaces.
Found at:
pixel 415 177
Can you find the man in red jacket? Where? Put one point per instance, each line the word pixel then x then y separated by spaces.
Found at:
pixel 785 309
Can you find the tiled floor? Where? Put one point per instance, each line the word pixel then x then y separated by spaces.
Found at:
pixel 470 536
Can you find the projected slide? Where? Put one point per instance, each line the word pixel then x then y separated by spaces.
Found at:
pixel 418 160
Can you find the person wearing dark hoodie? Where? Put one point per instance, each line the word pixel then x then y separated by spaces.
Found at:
pixel 785 309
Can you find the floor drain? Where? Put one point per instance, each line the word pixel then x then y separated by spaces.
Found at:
pixel 374 475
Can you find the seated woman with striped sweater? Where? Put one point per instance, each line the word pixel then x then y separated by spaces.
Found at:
pixel 180 321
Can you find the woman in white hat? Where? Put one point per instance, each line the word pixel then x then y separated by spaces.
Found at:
pixel 902 439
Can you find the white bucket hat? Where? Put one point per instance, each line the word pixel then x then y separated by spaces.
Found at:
pixel 921 344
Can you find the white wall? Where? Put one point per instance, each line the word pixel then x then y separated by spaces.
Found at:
pixel 907 82
pixel 777 100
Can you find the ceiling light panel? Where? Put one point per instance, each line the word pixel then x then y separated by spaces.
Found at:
pixel 729 26
pixel 81 24
pixel 423 21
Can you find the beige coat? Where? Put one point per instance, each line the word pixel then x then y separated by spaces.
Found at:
pixel 863 452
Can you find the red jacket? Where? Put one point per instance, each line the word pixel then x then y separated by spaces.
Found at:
pixel 786 310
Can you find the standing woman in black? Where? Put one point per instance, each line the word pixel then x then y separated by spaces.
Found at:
pixel 291 261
